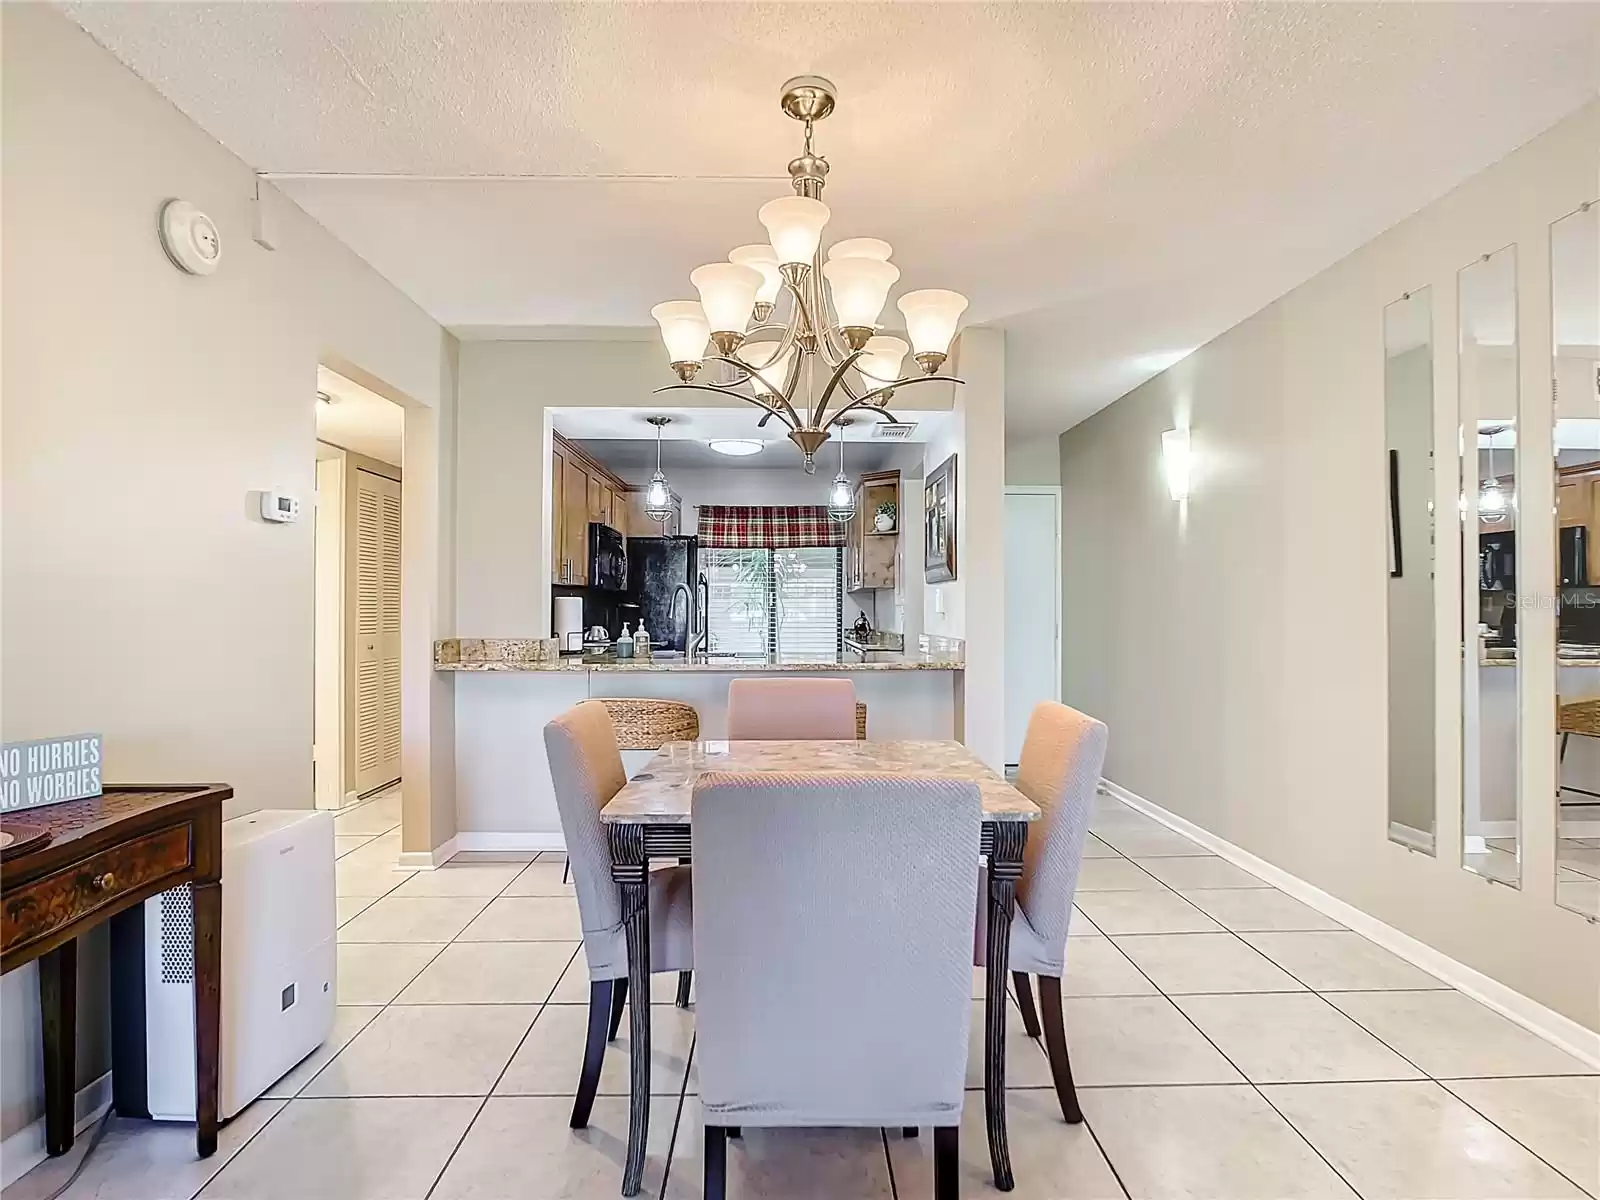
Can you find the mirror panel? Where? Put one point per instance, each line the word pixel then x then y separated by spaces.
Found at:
pixel 1408 433
pixel 1575 321
pixel 1490 774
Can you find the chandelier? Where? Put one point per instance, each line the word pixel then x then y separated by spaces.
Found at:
pixel 820 356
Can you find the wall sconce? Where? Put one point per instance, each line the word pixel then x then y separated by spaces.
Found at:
pixel 1175 462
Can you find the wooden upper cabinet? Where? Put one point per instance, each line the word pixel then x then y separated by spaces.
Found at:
pixel 558 523
pixel 1572 502
pixel 608 504
pixel 575 526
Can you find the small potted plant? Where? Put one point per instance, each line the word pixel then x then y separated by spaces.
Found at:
pixel 884 519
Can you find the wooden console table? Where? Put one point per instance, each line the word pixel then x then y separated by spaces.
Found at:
pixel 106 855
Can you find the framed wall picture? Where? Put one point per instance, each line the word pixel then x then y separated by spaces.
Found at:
pixel 939 523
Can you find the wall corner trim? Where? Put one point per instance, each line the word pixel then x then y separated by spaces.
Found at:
pixel 24 1149
pixel 1536 1018
pixel 428 860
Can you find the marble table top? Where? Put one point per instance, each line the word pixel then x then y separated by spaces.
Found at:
pixel 661 793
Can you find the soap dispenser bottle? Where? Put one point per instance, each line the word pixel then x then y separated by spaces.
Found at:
pixel 641 641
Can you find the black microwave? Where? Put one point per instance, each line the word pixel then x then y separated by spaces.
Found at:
pixel 608 558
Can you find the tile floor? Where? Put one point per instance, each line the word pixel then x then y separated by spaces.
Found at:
pixel 1228 1042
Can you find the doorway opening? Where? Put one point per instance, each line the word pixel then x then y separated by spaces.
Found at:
pixel 356 699
pixel 1033 606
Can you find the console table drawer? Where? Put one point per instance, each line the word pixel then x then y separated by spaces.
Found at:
pixel 37 909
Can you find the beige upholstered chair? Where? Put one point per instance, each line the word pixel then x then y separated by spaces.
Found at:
pixel 783 710
pixel 1062 755
pixel 832 936
pixel 586 769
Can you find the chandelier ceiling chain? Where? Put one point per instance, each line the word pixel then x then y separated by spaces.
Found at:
pixel 827 338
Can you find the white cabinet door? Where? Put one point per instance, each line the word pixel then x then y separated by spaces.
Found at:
pixel 377 631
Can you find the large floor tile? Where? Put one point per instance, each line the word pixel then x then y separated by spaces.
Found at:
pixel 427 1050
pixel 1298 1038
pixel 1410 1141
pixel 1079 925
pixel 1144 912
pixel 1026 1065
pixel 574 985
pixel 540 879
pixel 527 919
pixel 1180 963
pixel 1127 1040
pixel 1256 910
pixel 1206 1143
pixel 381 814
pixel 348 1020
pixel 1200 872
pixel 347 908
pixel 1340 961
pixel 791 1164
pixel 491 973
pixel 1160 842
pixel 1093 847
pixel 1095 967
pixel 550 1058
pixel 1451 1036
pixel 465 879
pixel 357 876
pixel 1114 875
pixel 520 1148
pixel 1557 1118
pixel 398 918
pixel 1585 860
pixel 143 1160
pixel 1049 1158
pixel 377 972
pixel 1580 895
pixel 344 843
pixel 1123 820
pixel 364 1149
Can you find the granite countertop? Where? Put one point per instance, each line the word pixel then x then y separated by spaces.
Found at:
pixel 660 794
pixel 489 655
pixel 1569 655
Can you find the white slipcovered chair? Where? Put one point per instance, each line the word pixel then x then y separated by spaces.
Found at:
pixel 1062 756
pixel 792 710
pixel 586 770
pixel 832 930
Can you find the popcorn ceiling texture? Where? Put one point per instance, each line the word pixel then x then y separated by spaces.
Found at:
pixel 1112 183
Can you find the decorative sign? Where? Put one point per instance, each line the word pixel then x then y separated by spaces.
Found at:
pixel 49 771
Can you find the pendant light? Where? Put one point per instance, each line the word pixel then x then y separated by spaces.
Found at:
pixel 1493 504
pixel 841 496
pixel 657 495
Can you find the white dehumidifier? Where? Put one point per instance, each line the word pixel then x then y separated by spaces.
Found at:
pixel 278 971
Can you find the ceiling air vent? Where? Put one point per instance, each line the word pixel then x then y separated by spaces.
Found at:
pixel 893 431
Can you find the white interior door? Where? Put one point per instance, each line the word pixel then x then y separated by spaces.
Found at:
pixel 1033 608
pixel 377 631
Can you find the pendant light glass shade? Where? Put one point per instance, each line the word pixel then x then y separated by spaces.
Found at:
pixel 931 317
pixel 1492 503
pixel 859 287
pixel 860 248
pixel 683 329
pixel 760 257
pixel 880 361
pixel 774 371
pixel 794 226
pixel 728 292
pixel 841 499
pixel 657 495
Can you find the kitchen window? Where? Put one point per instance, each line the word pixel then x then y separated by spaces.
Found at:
pixel 786 605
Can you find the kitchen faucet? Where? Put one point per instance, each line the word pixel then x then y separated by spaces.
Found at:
pixel 701 611
pixel 688 613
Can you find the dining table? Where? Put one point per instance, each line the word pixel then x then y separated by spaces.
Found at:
pixel 651 818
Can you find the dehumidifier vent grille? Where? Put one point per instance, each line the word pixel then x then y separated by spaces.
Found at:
pixel 177 935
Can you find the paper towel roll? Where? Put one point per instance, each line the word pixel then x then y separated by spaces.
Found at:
pixel 569 617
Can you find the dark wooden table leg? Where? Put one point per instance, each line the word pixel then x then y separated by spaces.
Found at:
pixel 631 869
pixel 1005 868
pixel 207 1012
pixel 58 1000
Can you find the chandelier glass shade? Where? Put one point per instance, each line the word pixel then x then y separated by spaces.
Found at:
pixel 798 335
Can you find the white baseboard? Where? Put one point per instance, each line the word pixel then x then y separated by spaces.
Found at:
pixel 428 860
pixel 1562 1031
pixel 24 1149
pixel 510 842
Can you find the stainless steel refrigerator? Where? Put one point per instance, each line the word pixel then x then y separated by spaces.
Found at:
pixel 657 568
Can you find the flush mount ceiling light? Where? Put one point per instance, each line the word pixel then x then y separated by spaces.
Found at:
pixel 736 447
pixel 824 341
pixel 657 495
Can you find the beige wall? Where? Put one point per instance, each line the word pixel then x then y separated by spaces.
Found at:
pixel 1035 462
pixel 144 409
pixel 1236 645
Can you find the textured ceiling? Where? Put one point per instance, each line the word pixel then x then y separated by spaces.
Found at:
pixel 1113 184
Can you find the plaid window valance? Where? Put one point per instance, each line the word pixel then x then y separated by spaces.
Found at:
pixel 768 526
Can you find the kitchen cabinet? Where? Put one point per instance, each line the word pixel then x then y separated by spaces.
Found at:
pixel 582 491
pixel 1573 502
pixel 575 523
pixel 871 556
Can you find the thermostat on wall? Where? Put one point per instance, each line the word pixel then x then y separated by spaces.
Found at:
pixel 275 506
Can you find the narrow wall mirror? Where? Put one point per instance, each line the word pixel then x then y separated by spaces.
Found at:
pixel 1575 368
pixel 1491 617
pixel 1408 433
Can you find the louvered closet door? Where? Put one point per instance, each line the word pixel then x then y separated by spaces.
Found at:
pixel 377 640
